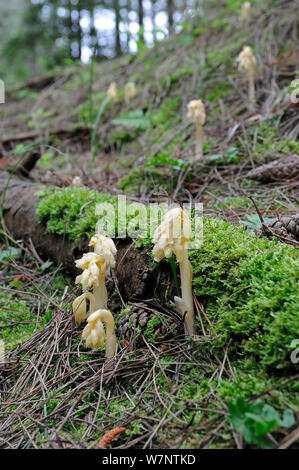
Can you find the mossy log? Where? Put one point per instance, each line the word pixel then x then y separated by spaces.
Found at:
pixel 136 275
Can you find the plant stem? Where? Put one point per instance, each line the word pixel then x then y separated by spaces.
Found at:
pixel 199 140
pixel 186 287
pixel 173 267
pixel 251 92
pixel 100 294
pixel 107 318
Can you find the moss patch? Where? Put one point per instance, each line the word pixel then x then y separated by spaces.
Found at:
pixel 251 290
pixel 70 211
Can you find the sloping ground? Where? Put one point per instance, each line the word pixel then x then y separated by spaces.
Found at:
pixel 145 156
pixel 167 391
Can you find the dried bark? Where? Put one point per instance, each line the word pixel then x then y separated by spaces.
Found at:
pixel 286 228
pixel 278 170
pixel 136 275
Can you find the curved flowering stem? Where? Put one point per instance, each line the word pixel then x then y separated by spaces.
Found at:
pixel 172 237
pixel 80 307
pixel 94 332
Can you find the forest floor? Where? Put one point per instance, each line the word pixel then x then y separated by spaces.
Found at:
pixel 167 390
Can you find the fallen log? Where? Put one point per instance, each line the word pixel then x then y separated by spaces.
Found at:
pixel 30 135
pixel 137 278
pixel 282 169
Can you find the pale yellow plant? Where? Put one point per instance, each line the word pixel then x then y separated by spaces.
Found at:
pixel 96 265
pixel 130 91
pixel 80 307
pixel 196 112
pixel 172 237
pixel 245 13
pixel 94 332
pixel 112 91
pixel 247 63
pixel 77 182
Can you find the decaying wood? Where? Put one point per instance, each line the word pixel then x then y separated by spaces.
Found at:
pixel 282 169
pixel 29 135
pixel 135 272
pixel 286 228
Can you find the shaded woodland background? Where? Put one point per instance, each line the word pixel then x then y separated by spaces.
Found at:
pixel 38 35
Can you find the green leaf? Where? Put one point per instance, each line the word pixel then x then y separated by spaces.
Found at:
pixel 288 419
pixel 163 160
pixel 253 221
pixel 46 265
pixel 11 253
pixel 134 119
pixel 248 435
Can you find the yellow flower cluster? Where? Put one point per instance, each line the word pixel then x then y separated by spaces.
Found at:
pixel 196 111
pixel 246 59
pixel 173 235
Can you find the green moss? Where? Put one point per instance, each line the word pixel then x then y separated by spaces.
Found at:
pixel 18 320
pixel 75 212
pixel 150 333
pixel 167 114
pixel 288 146
pixel 122 135
pixel 227 202
pixel 221 91
pixel 268 140
pixel 251 289
pixel 70 211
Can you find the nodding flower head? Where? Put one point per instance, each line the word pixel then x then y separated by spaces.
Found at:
pixel 105 248
pixel 173 235
pixel 246 59
pixel 130 90
pixel 112 91
pixel 94 332
pixel 196 111
pixel 93 270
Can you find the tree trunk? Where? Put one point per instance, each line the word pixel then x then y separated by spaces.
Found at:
pixel 141 20
pixel 170 13
pixel 117 23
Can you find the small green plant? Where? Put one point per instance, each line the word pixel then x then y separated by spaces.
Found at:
pixel 164 160
pixel 45 159
pixel 93 143
pixel 256 420
pixel 9 254
pixel 134 119
pixel 253 221
pixel 230 156
pixel 38 120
